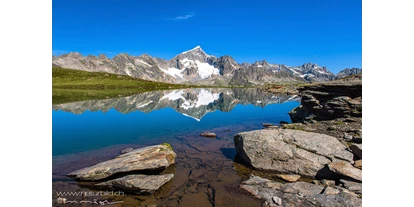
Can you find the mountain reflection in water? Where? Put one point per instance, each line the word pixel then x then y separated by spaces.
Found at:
pixel 194 103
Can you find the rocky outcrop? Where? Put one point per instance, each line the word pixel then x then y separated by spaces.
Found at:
pixel 290 151
pixel 328 101
pixel 155 157
pixel 299 193
pixel 140 184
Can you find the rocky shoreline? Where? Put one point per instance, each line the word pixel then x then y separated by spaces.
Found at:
pixel 323 145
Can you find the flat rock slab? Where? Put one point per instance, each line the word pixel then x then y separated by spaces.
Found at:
pixel 140 184
pixel 290 178
pixel 298 194
pixel 346 169
pixel 148 158
pixel 289 151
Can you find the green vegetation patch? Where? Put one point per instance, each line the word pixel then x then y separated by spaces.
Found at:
pixel 167 145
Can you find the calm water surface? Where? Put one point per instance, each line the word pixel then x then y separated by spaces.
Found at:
pixel 85 133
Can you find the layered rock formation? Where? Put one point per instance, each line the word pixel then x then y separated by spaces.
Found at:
pixel 328 101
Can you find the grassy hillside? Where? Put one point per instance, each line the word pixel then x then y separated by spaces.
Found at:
pixel 76 79
pixel 74 85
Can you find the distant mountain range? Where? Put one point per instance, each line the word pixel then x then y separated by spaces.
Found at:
pixel 197 67
pixel 194 103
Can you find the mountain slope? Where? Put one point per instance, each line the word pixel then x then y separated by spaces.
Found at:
pixel 348 72
pixel 195 67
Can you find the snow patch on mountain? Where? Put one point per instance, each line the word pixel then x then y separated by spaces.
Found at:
pixel 198 47
pixel 142 62
pixel 174 72
pixel 186 62
pixel 206 70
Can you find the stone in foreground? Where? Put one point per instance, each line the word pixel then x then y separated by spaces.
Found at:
pixel 298 193
pixel 140 184
pixel 155 157
pixel 208 134
pixel 290 178
pixel 346 169
pixel 289 151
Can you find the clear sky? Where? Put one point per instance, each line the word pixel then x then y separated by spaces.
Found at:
pixel 291 32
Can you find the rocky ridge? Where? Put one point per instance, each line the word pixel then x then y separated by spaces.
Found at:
pixel 196 67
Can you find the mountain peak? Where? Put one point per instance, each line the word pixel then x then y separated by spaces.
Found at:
pixel 194 49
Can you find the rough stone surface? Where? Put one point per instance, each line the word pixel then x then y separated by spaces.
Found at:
pixel 148 158
pixel 352 186
pixel 290 178
pixel 289 151
pixel 358 164
pixel 346 169
pixel 298 193
pixel 140 184
pixel 328 101
pixel 277 200
pixel 357 150
pixel 327 182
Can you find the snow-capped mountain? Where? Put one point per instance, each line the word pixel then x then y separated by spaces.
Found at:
pixel 195 67
pixel 193 103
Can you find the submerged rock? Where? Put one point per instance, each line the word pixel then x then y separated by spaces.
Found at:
pixel 272 127
pixel 346 169
pixel 208 134
pixel 126 150
pixel 290 151
pixel 298 193
pixel 140 184
pixel 267 124
pixel 155 157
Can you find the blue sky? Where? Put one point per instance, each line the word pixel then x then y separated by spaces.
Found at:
pixel 326 32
